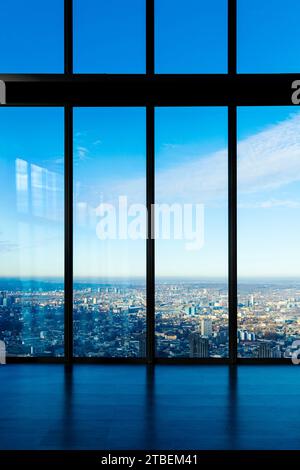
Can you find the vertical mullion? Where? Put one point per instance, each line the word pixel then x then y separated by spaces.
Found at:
pixel 150 37
pixel 232 238
pixel 68 34
pixel 68 234
pixel 68 320
pixel 232 186
pixel 150 274
pixel 232 33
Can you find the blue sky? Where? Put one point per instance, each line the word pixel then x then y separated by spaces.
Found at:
pixel 31 191
pixel 31 36
pixel 267 36
pixel 110 139
pixel 110 161
pixel 109 36
pixel 110 149
pixel 185 137
pixel 191 36
pixel 191 166
pixel 268 192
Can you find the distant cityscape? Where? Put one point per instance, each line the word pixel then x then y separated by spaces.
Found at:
pixel 268 319
pixel 110 318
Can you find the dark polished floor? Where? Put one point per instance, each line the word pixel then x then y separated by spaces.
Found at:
pixel 135 407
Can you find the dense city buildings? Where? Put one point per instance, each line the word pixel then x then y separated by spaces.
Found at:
pixel 198 346
pixel 32 317
pixel 187 311
pixel 110 319
pixel 268 318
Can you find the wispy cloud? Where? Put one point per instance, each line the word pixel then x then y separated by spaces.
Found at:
pixel 80 134
pixel 59 161
pixel 169 146
pixel 271 203
pixel 267 160
pixel 271 158
pixel 82 153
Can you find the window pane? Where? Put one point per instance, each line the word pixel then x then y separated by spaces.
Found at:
pixel 109 36
pixel 190 36
pixel 191 232
pixel 109 241
pixel 32 231
pixel 32 36
pixel 268 231
pixel 268 36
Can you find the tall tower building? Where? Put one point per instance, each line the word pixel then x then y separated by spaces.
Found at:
pixel 198 345
pixel 276 353
pixel 206 327
pixel 143 345
pixel 265 350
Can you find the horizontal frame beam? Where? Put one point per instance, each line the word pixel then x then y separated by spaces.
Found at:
pixel 144 361
pixel 145 90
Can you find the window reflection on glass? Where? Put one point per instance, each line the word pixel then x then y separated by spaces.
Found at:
pixel 32 231
pixel 109 250
pixel 22 185
pixel 268 231
pixel 191 264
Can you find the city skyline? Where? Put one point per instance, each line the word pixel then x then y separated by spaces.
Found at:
pixel 191 319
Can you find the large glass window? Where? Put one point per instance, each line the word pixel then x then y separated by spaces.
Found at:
pixel 268 36
pixel 191 230
pixel 32 36
pixel 109 232
pixel 268 231
pixel 190 36
pixel 113 171
pixel 109 36
pixel 32 231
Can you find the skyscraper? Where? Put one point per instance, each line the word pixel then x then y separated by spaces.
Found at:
pixel 265 350
pixel 206 327
pixel 198 345
pixel 143 345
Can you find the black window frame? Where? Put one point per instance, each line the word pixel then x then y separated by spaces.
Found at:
pixel 150 90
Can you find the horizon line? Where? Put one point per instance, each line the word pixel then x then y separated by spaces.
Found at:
pixel 170 277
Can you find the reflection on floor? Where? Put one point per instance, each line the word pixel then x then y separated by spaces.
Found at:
pixel 140 407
